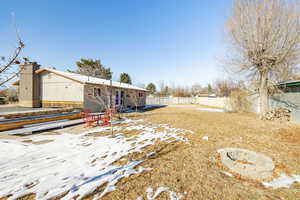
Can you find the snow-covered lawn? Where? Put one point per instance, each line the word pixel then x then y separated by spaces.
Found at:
pixel 284 181
pixel 76 165
pixel 152 195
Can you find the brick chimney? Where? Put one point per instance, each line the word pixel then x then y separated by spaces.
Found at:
pixel 29 86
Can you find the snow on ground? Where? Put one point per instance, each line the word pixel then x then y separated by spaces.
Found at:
pixel 205 138
pixel 151 195
pixel 76 164
pixel 227 173
pixel 284 181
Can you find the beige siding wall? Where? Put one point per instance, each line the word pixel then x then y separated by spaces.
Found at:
pixel 59 91
pixel 136 98
pixel 131 98
pixel 90 101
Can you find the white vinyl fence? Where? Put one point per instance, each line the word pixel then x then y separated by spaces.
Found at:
pixel 208 101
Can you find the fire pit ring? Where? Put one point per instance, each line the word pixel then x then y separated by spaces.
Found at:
pixel 247 163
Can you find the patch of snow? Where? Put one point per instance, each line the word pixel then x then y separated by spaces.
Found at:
pixel 76 164
pixel 205 138
pixel 284 181
pixel 211 109
pixel 103 129
pixel 130 121
pixel 227 173
pixel 151 195
pixel 174 196
pixel 220 150
pixel 117 128
pixel 137 128
pixel 150 154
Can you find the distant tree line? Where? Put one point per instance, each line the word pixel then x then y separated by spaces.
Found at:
pixel 220 88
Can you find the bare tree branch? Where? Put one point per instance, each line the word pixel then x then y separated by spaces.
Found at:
pixel 264 36
pixel 12 60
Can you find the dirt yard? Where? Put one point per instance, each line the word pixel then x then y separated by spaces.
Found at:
pixel 194 170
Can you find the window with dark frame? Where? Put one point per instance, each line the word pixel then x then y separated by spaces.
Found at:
pixel 97 92
pixel 122 97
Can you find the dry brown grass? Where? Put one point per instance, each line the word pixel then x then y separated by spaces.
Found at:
pixel 194 169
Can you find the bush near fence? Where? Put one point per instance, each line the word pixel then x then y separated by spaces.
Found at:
pixel 239 102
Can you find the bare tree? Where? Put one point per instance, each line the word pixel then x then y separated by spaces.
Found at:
pixel 161 85
pixel 7 65
pixel 102 96
pixel 223 88
pixel 7 71
pixel 181 91
pixel 163 88
pixel 196 89
pixel 265 37
pixel 135 99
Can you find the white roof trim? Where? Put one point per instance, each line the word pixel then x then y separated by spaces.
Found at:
pixel 93 80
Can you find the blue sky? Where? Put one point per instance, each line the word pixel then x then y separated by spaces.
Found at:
pixel 178 41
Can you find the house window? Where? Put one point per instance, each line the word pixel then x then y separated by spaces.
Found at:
pixel 97 92
pixel 140 94
pixel 122 97
pixel 117 98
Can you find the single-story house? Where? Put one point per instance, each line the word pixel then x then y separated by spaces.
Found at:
pixel 44 87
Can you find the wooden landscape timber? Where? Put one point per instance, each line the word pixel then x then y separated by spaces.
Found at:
pixel 19 124
pixel 72 104
pixel 43 127
pixel 34 113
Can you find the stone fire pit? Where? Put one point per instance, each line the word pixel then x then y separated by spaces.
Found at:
pixel 247 163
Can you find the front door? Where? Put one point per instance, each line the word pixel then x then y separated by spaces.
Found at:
pixel 119 98
pixel 122 98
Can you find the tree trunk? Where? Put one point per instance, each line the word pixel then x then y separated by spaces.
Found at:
pixel 263 93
